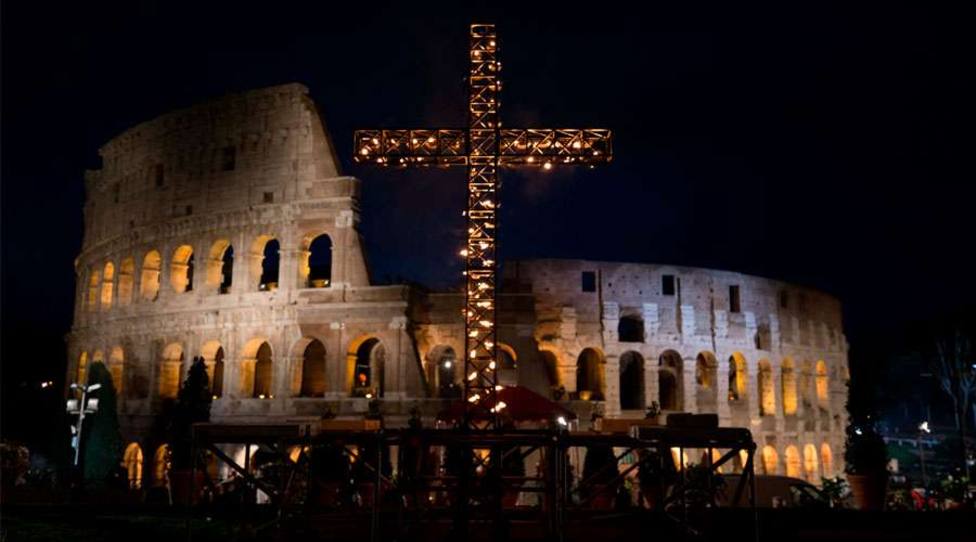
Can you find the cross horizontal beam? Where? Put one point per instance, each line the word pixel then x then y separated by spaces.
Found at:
pixel 516 147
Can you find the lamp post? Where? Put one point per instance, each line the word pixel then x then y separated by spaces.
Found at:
pixel 923 428
pixel 81 407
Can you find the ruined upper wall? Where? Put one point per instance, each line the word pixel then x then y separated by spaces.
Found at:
pixel 242 150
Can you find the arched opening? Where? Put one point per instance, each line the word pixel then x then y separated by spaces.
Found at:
pixel 116 366
pixel 149 279
pixel 108 285
pixel 318 271
pixel 220 266
pixel 169 371
pixel 161 466
pixel 827 460
pixel 181 269
pixel 810 463
pixel 822 382
pixel 706 367
pixel 313 370
pixel 213 358
pixel 767 391
pixel 788 385
pixel 94 281
pixel 793 462
pixel 443 370
pixel 263 262
pixel 127 272
pixel 507 358
pixel 81 374
pixel 738 377
pixel 631 381
pixel 367 362
pixel 550 363
pixel 589 375
pixel 669 380
pixel 770 460
pixel 132 461
pixel 630 329
pixel 262 372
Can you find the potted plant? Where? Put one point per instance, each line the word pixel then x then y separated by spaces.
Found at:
pixel 187 474
pixel 599 470
pixel 866 456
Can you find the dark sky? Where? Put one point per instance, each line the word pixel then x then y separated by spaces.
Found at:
pixel 826 146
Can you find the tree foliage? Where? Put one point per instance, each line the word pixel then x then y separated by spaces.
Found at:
pixel 192 406
pixel 103 440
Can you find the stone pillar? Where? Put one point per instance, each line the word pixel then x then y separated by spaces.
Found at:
pixel 650 382
pixel 687 321
pixel 722 393
pixel 611 389
pixel 652 319
pixel 689 390
pixel 396 364
pixel 610 319
pixel 289 263
pixel 335 362
pixel 245 377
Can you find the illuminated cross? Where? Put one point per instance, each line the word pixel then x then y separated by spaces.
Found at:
pixel 483 147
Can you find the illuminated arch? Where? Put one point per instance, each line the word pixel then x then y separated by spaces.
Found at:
pixel 589 373
pixel 365 364
pixel 161 466
pixel 822 382
pixel 793 465
pixel 788 385
pixel 181 269
pixel 313 369
pixel 220 266
pixel 127 272
pixel 116 366
pixel 264 262
pixel 670 379
pixel 810 463
pixel 767 389
pixel 316 268
pixel 706 368
pixel 132 461
pixel 152 263
pixel 738 377
pixel 770 460
pixel 213 358
pixel 443 370
pixel 81 373
pixel 263 371
pixel 631 381
pixel 169 371
pixel 94 281
pixel 827 460
pixel 630 329
pixel 507 358
pixel 550 363
pixel 108 285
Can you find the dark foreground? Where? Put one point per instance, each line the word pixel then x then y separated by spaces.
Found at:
pixel 139 524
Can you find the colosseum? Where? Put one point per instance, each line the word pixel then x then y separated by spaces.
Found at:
pixel 226 231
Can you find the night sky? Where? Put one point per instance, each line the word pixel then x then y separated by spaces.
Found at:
pixel 828 147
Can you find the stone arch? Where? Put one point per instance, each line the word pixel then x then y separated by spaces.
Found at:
pixel 806 384
pixel 365 362
pixel 127 274
pixel 265 262
pixel 822 382
pixel 132 461
pixel 767 389
pixel 316 268
pixel 788 386
pixel 507 358
pixel 213 358
pixel 793 465
pixel 670 376
pixel 116 367
pixel 630 329
pixel 161 466
pixel 181 269
pixel 263 372
pixel 589 374
pixel 94 282
pixel 770 460
pixel 108 285
pixel 313 370
pixel 706 377
pixel 152 263
pixel 810 464
pixel 220 266
pixel 81 372
pixel 827 460
pixel 738 377
pixel 631 381
pixel 443 371
pixel 169 370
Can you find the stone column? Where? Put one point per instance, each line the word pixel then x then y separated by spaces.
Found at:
pixel 288 268
pixel 336 369
pixel 396 365
pixel 690 386
pixel 611 388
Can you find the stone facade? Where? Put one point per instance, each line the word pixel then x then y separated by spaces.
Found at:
pixel 190 210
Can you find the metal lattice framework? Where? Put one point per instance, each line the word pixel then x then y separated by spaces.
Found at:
pixel 483 147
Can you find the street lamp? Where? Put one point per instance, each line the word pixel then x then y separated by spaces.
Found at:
pixel 923 428
pixel 81 407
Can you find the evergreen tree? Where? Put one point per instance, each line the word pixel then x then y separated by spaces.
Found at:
pixel 103 440
pixel 192 406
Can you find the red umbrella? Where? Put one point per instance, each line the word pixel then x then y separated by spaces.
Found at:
pixel 521 404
